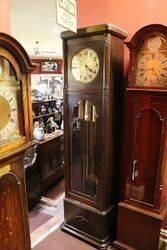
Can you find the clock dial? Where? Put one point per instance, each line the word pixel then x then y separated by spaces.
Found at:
pixel 85 65
pixel 152 70
pixel 151 66
pixel 8 114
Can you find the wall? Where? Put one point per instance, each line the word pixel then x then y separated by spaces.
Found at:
pixel 5 16
pixel 130 15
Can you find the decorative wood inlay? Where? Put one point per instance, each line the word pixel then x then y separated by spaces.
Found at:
pixel 11 220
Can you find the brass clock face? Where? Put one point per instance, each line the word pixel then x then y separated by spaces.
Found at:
pixel 8 114
pixel 85 65
pixel 152 64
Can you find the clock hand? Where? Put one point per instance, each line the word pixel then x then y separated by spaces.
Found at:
pixel 149 69
pixel 156 75
pixel 86 66
pixel 154 72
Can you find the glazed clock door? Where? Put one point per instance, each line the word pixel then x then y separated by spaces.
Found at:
pixel 11 123
pixel 85 149
pixel 148 132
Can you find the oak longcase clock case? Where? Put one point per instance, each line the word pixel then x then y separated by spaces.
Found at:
pixel 15 137
pixel 93 82
pixel 144 162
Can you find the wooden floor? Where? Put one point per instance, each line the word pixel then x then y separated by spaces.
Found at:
pixel 56 191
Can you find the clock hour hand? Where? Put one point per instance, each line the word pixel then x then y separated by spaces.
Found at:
pixel 86 66
pixel 153 71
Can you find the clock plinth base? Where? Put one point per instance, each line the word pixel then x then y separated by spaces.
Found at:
pixel 99 244
pixel 119 245
pixel 137 228
pixel 89 224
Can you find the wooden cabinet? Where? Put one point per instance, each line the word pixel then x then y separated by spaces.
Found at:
pixel 144 162
pixel 46 167
pixel 50 160
pixel 32 176
pixel 93 87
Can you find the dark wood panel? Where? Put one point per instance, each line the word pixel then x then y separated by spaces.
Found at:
pixel 143 232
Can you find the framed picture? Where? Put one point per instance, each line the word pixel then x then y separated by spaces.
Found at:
pixel 48 66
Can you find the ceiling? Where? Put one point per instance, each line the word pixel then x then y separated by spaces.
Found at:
pixel 35 20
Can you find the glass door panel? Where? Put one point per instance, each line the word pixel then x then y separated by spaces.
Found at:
pixel 146 155
pixel 86 155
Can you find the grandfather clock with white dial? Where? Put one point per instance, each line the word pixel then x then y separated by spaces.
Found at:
pixel 93 88
pixel 144 164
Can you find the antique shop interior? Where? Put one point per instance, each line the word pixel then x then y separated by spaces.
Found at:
pixel 83 125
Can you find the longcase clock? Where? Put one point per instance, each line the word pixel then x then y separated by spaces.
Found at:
pixel 15 137
pixel 144 165
pixel 93 87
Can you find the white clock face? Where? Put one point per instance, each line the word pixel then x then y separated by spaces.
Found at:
pixel 8 114
pixel 85 65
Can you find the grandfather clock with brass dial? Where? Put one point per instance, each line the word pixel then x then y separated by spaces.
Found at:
pixel 144 164
pixel 93 87
pixel 15 137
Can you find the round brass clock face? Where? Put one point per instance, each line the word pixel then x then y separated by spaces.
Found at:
pixel 85 65
pixel 152 70
pixel 8 113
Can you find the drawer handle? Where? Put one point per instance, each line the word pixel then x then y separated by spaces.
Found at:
pixel 80 219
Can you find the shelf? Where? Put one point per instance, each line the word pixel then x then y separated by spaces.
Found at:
pixel 49 100
pixel 48 114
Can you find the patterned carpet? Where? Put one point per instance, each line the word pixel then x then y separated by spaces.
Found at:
pixel 46 217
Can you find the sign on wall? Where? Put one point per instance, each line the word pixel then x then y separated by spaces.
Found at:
pixel 66 14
